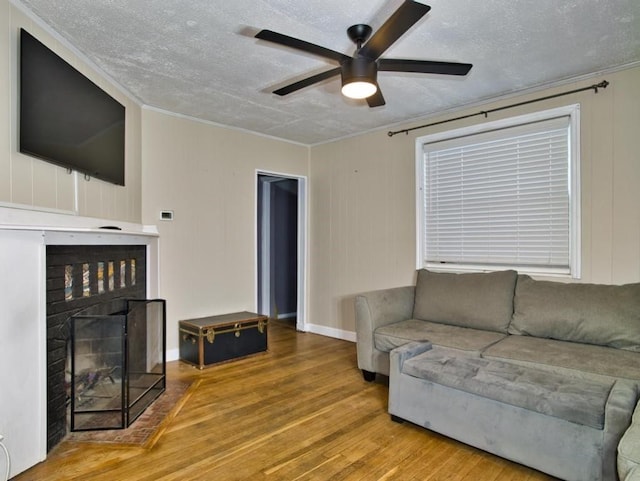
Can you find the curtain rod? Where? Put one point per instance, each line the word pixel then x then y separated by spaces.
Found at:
pixel 593 87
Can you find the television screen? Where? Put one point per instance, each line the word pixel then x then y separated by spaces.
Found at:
pixel 67 119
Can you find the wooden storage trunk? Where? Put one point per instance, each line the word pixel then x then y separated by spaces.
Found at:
pixel 214 339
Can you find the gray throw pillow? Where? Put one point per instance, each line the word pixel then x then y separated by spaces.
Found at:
pixel 606 315
pixel 476 300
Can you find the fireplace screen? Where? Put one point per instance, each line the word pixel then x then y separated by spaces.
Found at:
pixel 117 362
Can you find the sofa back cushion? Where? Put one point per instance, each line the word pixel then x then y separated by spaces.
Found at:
pixel 605 315
pixel 476 300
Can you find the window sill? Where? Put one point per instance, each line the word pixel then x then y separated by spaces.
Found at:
pixel 556 272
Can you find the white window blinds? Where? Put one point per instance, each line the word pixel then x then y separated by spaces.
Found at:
pixel 500 197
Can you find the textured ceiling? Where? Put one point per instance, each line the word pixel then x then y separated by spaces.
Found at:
pixel 199 58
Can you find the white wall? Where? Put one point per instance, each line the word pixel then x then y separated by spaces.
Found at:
pixel 206 175
pixel 362 222
pixel 363 198
pixel 33 183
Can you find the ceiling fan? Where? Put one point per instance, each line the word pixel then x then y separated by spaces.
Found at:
pixel 359 73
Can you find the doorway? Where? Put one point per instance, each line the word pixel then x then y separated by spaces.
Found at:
pixel 280 247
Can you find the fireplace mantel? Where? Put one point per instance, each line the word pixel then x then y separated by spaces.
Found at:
pixel 17 218
pixel 24 235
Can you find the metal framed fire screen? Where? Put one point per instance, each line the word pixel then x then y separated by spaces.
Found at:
pixel 118 363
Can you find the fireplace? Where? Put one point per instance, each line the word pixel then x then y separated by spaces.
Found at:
pixel 117 362
pixel 35 323
pixel 82 278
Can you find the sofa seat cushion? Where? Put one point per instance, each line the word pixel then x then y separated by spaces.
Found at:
pixel 605 315
pixel 552 354
pixel 565 397
pixel 479 300
pixel 394 335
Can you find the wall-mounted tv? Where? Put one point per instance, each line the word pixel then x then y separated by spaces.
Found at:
pixel 67 119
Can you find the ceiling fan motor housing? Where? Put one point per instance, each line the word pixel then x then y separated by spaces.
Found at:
pixel 359 69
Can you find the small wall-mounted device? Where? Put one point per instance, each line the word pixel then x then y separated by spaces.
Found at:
pixel 166 215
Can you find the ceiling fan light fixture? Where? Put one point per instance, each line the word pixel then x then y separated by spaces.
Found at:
pixel 359 78
pixel 359 89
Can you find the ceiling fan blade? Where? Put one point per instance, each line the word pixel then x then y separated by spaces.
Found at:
pixel 395 26
pixel 298 44
pixel 423 66
pixel 376 100
pixel 307 81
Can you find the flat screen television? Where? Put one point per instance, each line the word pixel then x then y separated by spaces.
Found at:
pixel 65 118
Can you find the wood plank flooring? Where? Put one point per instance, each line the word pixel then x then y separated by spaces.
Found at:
pixel 299 412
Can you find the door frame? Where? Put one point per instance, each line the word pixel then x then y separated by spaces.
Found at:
pixel 301 296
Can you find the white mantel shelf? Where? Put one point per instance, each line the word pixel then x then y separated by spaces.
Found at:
pixel 146 231
pixel 19 218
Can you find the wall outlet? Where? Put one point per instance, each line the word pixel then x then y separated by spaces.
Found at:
pixel 166 215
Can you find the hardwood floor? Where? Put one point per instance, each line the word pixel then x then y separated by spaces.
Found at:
pixel 299 412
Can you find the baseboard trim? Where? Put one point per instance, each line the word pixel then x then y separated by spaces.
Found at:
pixel 331 332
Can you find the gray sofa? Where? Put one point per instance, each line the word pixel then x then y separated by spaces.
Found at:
pixel 544 373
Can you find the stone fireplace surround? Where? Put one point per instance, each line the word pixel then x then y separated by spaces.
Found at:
pixel 24 237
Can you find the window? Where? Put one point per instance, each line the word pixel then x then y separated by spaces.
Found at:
pixel 501 195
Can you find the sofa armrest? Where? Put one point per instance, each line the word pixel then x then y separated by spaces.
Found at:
pixel 375 309
pixel 386 306
pixel 629 450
